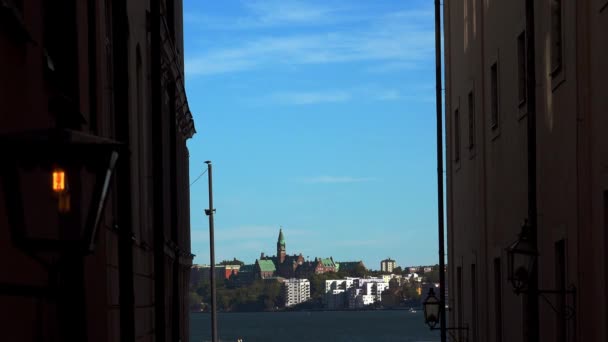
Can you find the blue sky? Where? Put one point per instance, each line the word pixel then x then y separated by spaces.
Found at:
pixel 318 116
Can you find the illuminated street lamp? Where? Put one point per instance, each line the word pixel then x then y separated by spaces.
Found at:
pixel 55 184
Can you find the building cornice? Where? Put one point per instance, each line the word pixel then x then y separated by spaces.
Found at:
pixel 173 71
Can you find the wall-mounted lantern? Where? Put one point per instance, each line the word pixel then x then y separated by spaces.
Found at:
pixel 55 184
pixel 522 256
pixel 521 259
pixel 431 317
pixel 431 309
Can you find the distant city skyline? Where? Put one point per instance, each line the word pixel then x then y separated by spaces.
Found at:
pixel 319 116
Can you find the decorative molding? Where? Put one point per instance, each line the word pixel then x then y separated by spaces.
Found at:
pixel 173 70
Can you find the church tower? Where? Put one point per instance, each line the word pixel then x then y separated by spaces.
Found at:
pixel 281 247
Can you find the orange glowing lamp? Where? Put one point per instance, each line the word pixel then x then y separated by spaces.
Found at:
pixel 58 180
pixel 65 214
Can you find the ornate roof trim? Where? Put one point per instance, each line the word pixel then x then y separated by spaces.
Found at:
pixel 174 71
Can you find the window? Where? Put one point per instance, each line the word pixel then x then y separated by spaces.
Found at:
pixel 60 48
pixel 494 96
pixel 471 121
pixel 560 285
pixel 498 299
pixel 556 36
pixel 456 135
pixel 521 69
pixel 474 303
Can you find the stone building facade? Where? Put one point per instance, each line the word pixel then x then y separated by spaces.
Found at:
pixel 112 69
pixel 502 69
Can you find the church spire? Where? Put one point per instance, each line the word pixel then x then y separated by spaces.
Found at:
pixel 281 240
pixel 281 252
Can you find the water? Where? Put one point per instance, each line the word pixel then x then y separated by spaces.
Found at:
pixel 334 326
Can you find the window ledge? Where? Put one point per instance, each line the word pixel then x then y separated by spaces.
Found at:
pixel 472 152
pixel 558 77
pixel 495 134
pixel 523 110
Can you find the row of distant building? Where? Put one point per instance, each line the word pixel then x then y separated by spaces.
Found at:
pixel 280 265
pixel 355 292
pixel 287 266
pixel 292 271
pixel 389 265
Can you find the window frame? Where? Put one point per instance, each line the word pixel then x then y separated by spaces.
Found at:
pixel 556 38
pixel 472 120
pixel 495 101
pixel 457 136
pixel 522 68
pixel 557 72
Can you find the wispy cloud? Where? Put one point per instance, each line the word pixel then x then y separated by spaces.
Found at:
pixel 312 97
pixel 265 14
pixel 398 40
pixel 276 12
pixel 337 179
pixel 410 48
pixel 361 243
pixel 309 98
pixel 388 95
pixel 243 233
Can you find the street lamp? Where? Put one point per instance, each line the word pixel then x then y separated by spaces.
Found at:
pixel 521 259
pixel 55 184
pixel 432 317
pixel 522 256
pixel 431 309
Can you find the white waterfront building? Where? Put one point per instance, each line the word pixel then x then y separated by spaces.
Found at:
pixel 353 293
pixel 296 291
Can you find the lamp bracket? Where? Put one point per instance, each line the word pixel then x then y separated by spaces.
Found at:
pixel 568 311
pixel 453 332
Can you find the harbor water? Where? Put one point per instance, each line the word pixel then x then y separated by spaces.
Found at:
pixel 317 326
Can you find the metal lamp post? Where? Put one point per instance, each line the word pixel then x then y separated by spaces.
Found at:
pixel 209 212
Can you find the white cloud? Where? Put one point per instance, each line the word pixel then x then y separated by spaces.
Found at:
pixel 340 179
pixel 309 98
pixel 388 95
pixel 276 12
pixel 339 47
pixel 246 232
pixel 392 41
pixel 264 14
pixel 368 93
pixel 361 243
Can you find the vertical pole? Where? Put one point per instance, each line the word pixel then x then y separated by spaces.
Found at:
pixel 209 212
pixel 440 171
pixel 532 300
